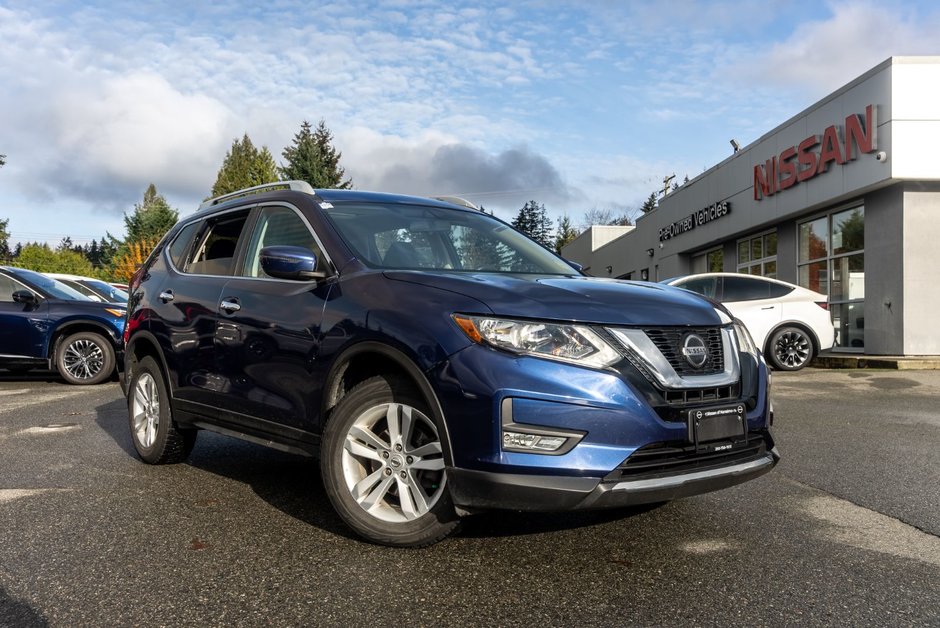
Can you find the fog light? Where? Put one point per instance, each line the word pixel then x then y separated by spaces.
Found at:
pixel 532 442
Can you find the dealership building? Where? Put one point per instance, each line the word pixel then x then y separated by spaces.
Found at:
pixel 843 198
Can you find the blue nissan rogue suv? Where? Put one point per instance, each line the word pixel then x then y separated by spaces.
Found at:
pixel 46 324
pixel 437 361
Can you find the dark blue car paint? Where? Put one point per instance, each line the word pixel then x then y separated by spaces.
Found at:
pixel 265 372
pixel 33 329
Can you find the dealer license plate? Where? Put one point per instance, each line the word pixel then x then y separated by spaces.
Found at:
pixel 718 423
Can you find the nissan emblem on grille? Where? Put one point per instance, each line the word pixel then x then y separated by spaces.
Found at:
pixel 695 350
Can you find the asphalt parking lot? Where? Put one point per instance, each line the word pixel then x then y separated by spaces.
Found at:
pixel 843 532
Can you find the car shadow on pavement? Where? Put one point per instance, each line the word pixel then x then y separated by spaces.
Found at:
pixel 503 523
pixel 18 613
pixel 32 376
pixel 291 483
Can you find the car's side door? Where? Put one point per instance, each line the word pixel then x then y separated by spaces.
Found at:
pixel 750 299
pixel 268 332
pixel 22 325
pixel 185 305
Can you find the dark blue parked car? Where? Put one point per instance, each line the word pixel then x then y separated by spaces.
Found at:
pixel 436 360
pixel 46 324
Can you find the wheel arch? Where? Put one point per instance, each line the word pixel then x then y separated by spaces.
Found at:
pixel 368 359
pixel 78 326
pixel 143 344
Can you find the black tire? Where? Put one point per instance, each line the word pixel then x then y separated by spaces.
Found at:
pixel 412 505
pixel 790 349
pixel 157 438
pixel 85 358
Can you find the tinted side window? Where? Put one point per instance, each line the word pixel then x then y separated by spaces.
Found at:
pixel 7 288
pixel 745 289
pixel 214 254
pixel 706 286
pixel 778 290
pixel 181 242
pixel 278 226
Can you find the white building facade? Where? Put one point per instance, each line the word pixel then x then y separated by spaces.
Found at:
pixel 843 198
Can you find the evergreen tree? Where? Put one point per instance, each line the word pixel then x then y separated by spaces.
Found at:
pixel 649 204
pixel 151 219
pixel 244 166
pixel 312 158
pixel 533 221
pixel 5 253
pixel 566 233
pixel 65 244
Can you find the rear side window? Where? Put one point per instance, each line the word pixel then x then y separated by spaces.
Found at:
pixel 214 252
pixel 181 244
pixel 747 289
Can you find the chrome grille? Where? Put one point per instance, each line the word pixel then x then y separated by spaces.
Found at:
pixel 669 342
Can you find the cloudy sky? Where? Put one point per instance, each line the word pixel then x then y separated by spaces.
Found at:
pixel 578 105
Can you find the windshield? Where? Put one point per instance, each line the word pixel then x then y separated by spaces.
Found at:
pixel 109 292
pixel 433 238
pixel 52 287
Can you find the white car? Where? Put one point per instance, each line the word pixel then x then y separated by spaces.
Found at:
pixel 94 289
pixel 791 324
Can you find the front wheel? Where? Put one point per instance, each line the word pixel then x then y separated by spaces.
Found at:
pixel 791 349
pixel 85 358
pixel 382 464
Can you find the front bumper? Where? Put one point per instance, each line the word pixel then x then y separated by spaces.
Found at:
pixel 473 490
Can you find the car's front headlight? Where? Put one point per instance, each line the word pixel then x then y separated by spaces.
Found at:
pixel 568 343
pixel 745 342
pixel 115 312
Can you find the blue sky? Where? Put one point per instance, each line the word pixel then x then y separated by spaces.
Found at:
pixel 577 105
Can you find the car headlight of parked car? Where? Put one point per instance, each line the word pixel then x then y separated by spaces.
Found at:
pixel 116 312
pixel 567 343
pixel 743 337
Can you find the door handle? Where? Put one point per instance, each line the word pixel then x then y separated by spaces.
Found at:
pixel 229 306
pixel 769 307
pixel 166 296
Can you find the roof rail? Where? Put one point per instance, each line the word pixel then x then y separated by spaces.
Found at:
pixel 299 186
pixel 456 200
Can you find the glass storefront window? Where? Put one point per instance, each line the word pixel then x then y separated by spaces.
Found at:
pixel 770 244
pixel 815 277
pixel 849 322
pixel 757 255
pixel 814 239
pixel 848 231
pixel 832 261
pixel 848 278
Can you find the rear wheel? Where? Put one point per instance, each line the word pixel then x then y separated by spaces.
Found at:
pixel 382 464
pixel 85 358
pixel 791 349
pixel 156 436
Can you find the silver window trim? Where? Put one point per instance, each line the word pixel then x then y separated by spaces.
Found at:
pixel 640 346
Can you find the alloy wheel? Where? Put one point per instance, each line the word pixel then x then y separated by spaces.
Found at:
pixel 83 359
pixel 145 410
pixel 393 463
pixel 792 349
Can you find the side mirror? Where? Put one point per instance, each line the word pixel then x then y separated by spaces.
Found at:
pixel 25 297
pixel 578 267
pixel 290 262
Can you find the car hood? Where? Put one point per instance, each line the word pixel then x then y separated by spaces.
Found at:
pixel 574 298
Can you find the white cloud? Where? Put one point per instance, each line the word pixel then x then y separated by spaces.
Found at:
pixel 135 128
pixel 820 56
